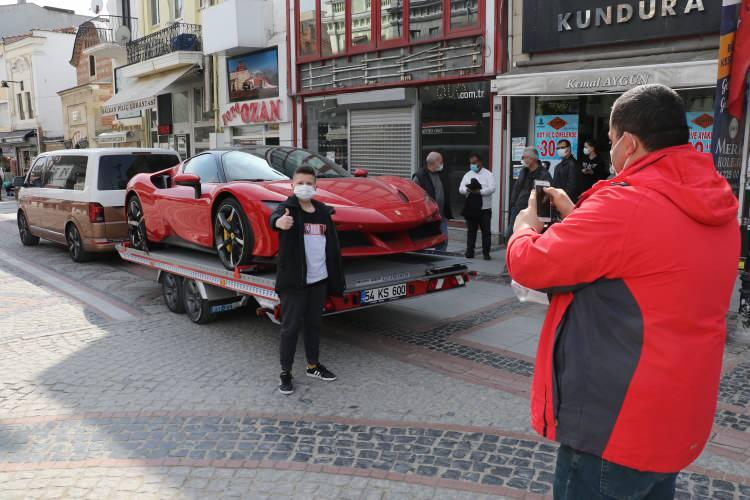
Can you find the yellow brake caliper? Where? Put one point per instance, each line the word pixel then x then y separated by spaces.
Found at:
pixel 228 235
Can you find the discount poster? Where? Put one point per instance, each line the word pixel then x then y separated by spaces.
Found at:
pixel 701 124
pixel 548 129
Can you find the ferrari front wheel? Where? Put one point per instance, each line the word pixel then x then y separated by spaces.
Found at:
pixel 136 224
pixel 233 237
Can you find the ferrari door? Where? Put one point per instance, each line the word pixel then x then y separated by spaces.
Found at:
pixel 190 217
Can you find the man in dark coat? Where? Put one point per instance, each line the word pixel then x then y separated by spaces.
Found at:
pixel 532 170
pixel 431 179
pixel 309 271
pixel 568 176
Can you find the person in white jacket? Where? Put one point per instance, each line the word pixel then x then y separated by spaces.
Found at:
pixel 487 181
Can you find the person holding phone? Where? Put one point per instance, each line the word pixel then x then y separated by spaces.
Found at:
pixel 533 170
pixel 309 271
pixel 640 275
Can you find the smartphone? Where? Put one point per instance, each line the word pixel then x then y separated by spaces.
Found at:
pixel 543 201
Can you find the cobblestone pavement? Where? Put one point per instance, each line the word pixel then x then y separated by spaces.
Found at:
pixel 157 407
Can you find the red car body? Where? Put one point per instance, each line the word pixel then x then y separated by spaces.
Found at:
pixel 374 216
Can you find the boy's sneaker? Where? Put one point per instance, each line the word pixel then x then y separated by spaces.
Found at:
pixel 321 372
pixel 285 385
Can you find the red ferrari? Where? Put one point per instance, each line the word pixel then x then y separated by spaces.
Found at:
pixel 220 201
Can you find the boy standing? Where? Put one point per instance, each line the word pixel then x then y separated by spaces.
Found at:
pixel 309 270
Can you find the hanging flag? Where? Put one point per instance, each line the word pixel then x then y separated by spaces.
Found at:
pixel 726 140
pixel 740 62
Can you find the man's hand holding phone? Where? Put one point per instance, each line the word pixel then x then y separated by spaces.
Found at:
pixel 530 217
pixel 561 201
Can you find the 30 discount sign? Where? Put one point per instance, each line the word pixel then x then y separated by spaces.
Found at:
pixel 548 129
pixel 701 124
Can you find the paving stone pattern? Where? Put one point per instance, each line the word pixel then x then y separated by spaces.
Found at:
pixel 472 457
pixel 698 486
pixel 737 421
pixel 438 338
pixel 734 388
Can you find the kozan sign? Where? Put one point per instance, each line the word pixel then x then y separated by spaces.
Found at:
pixel 261 111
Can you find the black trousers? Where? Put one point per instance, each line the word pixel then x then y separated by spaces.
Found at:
pixel 471 238
pixel 302 312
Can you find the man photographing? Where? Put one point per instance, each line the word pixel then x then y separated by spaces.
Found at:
pixel 309 271
pixel 641 274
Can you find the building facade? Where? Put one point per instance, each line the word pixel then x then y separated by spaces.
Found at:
pixel 571 60
pixel 34 68
pixel 379 84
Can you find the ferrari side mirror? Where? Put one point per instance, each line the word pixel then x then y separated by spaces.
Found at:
pixel 18 181
pixel 360 172
pixel 189 180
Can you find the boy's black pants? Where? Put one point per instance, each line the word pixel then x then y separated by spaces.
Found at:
pixel 302 312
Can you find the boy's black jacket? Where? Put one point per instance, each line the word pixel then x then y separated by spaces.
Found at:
pixel 292 267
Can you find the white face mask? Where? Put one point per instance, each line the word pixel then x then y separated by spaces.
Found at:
pixel 562 152
pixel 304 192
pixel 440 168
pixel 587 151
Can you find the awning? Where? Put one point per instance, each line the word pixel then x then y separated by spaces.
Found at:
pixel 16 136
pixel 141 93
pixel 683 75
pixel 112 137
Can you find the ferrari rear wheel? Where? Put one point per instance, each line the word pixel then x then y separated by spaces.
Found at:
pixel 233 237
pixel 136 225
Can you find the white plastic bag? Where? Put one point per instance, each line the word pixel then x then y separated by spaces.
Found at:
pixel 528 295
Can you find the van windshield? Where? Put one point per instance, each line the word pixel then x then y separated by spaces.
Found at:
pixel 116 170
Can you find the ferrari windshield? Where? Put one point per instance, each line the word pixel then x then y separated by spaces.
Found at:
pixel 241 166
pixel 289 159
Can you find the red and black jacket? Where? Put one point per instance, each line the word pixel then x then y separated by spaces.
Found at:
pixel 641 272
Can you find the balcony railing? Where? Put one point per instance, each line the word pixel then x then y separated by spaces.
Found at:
pixel 177 37
pixel 102 29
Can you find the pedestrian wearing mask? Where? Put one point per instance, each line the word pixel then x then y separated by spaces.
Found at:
pixel 640 275
pixel 532 170
pixel 593 167
pixel 430 178
pixel 486 182
pixel 309 270
pixel 568 176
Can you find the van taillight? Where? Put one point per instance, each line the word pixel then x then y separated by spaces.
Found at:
pixel 96 212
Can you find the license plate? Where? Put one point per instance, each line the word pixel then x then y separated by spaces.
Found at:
pixel 382 294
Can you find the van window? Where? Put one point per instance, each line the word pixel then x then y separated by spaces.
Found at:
pixel 66 172
pixel 36 172
pixel 116 170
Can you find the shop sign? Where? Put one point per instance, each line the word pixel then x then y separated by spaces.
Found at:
pixel 262 111
pixel 112 138
pixel 136 105
pixel 9 151
pixel 701 125
pixel 548 129
pixel 559 24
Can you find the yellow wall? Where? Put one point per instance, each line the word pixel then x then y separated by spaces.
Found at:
pixel 190 14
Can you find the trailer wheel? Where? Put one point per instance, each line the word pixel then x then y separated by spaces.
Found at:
pixel 171 290
pixel 196 307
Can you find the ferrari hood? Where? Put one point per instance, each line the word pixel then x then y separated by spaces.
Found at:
pixel 360 192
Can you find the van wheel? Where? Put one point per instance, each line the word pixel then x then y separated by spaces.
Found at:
pixel 75 244
pixel 196 307
pixel 24 232
pixel 171 290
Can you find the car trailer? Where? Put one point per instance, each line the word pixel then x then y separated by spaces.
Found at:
pixel 197 284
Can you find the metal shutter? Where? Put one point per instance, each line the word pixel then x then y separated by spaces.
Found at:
pixel 382 141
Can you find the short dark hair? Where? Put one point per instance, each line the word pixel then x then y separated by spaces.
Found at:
pixel 305 170
pixel 567 142
pixel 476 155
pixel 654 113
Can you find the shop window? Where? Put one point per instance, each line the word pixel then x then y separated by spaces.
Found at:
pixel 361 17
pixel 327 131
pixel 425 19
pixel 391 20
pixel 333 27
pixel 455 122
pixel 21 114
pixel 308 33
pixel 29 109
pixel 154 12
pixel 464 14
pixel 181 107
